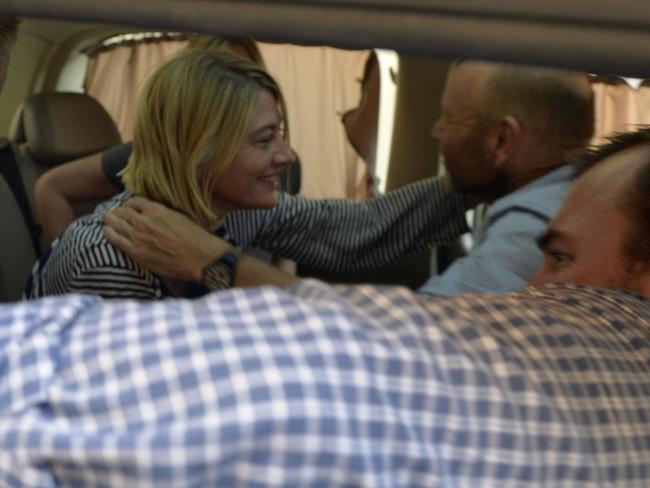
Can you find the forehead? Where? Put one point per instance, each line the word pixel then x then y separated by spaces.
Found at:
pixel 615 173
pixel 265 111
pixel 464 85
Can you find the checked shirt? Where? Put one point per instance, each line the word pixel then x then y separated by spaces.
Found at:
pixel 321 386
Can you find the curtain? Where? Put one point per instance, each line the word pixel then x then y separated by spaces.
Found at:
pixel 115 76
pixel 619 106
pixel 320 84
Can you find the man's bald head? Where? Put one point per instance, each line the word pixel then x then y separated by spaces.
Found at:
pixel 557 106
pixel 503 125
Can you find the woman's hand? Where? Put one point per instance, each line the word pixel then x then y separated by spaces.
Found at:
pixel 162 240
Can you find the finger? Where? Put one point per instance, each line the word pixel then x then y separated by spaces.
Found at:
pixel 118 240
pixel 135 203
pixel 140 204
pixel 125 213
pixel 118 224
pixel 128 217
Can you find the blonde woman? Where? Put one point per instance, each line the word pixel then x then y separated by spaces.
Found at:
pixel 94 178
pixel 209 138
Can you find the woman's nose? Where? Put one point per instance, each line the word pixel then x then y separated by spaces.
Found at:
pixel 284 155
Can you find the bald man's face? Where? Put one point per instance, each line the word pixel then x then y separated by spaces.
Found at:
pixel 585 242
pixel 462 138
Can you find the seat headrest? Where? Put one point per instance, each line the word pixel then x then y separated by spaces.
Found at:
pixel 60 127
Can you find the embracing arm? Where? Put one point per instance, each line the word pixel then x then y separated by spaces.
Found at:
pixel 171 245
pixel 336 235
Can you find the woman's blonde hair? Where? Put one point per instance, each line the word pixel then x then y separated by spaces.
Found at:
pixel 191 118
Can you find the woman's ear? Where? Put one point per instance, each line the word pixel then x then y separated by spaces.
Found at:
pixel 505 140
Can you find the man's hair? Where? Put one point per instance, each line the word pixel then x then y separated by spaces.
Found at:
pixel 557 106
pixel 636 199
pixel 191 118
pixel 8 30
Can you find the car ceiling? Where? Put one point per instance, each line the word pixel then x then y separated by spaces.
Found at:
pixel 603 37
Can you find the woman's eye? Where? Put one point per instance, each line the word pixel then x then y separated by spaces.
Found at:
pixel 267 139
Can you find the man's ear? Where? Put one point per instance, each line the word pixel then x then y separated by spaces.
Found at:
pixel 505 140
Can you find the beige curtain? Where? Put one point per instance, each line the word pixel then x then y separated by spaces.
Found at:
pixel 115 76
pixel 619 106
pixel 320 84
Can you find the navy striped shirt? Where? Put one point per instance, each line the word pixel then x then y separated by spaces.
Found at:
pixel 320 234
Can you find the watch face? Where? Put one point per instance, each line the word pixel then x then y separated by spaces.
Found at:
pixel 220 274
pixel 216 277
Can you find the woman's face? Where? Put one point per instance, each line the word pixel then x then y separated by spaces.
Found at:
pixel 253 178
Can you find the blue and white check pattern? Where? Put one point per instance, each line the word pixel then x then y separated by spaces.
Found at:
pixel 319 386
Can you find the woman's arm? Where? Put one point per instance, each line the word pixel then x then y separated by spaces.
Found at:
pixel 333 234
pixel 337 235
pixel 59 189
pixel 173 246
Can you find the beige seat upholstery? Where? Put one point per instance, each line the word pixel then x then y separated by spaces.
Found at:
pixel 53 128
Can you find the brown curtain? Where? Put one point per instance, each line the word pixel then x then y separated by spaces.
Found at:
pixel 115 76
pixel 619 106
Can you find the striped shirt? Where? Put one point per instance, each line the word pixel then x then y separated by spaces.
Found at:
pixel 322 235
pixel 321 386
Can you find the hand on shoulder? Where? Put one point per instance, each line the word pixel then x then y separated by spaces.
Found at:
pixel 163 240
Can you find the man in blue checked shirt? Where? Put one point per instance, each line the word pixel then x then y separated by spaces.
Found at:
pixel 357 385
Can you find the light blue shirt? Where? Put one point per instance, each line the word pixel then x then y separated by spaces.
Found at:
pixel 505 254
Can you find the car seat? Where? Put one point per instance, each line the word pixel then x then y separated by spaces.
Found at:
pixel 53 128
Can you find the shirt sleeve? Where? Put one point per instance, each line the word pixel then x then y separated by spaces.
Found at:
pixel 100 270
pixel 504 261
pixel 114 160
pixel 337 235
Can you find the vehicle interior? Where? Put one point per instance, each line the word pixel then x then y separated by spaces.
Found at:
pixel 57 104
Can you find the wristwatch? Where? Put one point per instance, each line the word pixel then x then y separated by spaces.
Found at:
pixel 220 273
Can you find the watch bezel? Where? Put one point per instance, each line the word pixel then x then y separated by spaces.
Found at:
pixel 220 273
